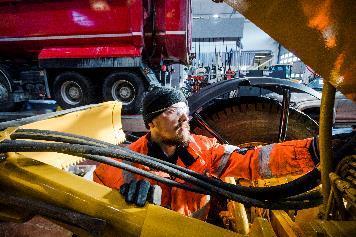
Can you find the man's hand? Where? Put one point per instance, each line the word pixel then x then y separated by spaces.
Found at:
pixel 344 145
pixel 138 192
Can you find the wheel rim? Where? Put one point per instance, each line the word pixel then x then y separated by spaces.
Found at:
pixel 71 92
pixel 123 91
pixel 4 94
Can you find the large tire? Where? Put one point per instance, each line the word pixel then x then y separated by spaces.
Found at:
pixel 72 89
pixel 125 87
pixel 6 103
pixel 254 120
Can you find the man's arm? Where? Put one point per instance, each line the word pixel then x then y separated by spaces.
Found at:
pixel 274 160
pixel 109 176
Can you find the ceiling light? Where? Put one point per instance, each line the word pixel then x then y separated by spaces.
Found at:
pixel 216 16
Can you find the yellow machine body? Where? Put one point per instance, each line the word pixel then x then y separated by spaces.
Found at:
pixel 100 122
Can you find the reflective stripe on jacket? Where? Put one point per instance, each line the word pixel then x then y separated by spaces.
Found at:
pixel 206 156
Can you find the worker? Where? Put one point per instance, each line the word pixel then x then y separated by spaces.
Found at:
pixel 165 114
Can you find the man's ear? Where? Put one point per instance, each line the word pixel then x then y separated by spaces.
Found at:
pixel 151 125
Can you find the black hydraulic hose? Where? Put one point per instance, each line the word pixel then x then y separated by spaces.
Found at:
pixel 25 146
pixel 60 135
pixel 61 138
pixel 311 195
pixel 79 150
pixel 295 187
pixel 133 169
pixel 54 138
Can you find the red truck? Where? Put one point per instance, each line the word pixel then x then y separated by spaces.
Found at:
pixel 86 51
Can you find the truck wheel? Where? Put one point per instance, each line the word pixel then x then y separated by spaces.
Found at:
pixel 6 104
pixel 253 121
pixel 125 87
pixel 72 89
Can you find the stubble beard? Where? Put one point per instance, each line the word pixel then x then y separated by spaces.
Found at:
pixel 181 138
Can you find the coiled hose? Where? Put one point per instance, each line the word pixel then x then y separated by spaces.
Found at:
pixel 297 186
pixel 269 197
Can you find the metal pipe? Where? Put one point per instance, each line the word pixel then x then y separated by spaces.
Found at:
pixel 325 135
pixel 283 123
pixel 239 212
pixel 206 126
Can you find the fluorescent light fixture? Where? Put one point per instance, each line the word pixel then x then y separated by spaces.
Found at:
pixel 216 16
pixel 260 56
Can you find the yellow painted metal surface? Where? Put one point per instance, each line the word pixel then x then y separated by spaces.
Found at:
pixel 238 212
pixel 37 180
pixel 320 32
pixel 102 122
pixel 318 228
pixel 283 225
pixel 261 228
pixel 325 145
pixel 173 224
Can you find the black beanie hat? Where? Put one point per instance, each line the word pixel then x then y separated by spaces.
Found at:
pixel 157 99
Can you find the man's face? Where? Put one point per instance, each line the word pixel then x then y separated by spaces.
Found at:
pixel 171 127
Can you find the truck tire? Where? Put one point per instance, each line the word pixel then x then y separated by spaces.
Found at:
pixel 72 89
pixel 125 87
pixel 246 121
pixel 6 103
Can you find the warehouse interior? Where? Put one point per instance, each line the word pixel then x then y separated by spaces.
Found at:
pixel 177 118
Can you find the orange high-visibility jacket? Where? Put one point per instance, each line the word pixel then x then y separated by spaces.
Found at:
pixel 206 156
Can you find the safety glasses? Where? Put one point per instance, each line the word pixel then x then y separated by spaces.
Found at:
pixel 177 109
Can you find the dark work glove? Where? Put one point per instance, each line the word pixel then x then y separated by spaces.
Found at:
pixel 342 145
pixel 138 192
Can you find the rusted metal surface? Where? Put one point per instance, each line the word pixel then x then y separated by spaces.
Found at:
pixel 92 225
pixel 36 227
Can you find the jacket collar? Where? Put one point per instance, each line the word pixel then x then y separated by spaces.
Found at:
pixel 187 155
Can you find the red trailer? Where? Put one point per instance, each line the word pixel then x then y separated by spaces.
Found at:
pixel 86 51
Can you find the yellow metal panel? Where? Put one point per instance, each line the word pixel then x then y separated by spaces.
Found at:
pixel 170 223
pixel 102 122
pixel 261 228
pixel 49 184
pixel 238 212
pixel 37 180
pixel 283 225
pixel 320 33
pixel 328 228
